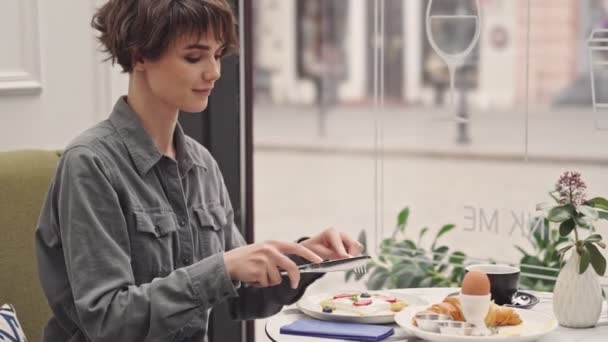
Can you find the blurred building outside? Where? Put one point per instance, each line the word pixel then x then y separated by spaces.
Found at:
pixel 555 27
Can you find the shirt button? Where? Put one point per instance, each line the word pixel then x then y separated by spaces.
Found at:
pixel 186 261
pixel 182 223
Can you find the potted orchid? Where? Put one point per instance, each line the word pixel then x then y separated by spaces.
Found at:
pixel 577 297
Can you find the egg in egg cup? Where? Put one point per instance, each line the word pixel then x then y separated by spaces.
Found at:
pixel 475 299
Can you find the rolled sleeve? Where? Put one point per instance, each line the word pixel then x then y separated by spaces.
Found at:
pixel 211 289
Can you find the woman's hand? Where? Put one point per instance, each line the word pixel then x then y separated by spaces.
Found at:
pixel 260 264
pixel 332 244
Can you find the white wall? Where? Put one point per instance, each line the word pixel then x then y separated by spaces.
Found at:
pixel 52 82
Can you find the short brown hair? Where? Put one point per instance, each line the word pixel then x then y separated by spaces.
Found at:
pixel 146 27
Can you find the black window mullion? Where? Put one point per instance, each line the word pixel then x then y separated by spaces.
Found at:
pixel 218 128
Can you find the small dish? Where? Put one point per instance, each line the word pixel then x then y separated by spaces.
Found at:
pixel 521 300
pixel 456 328
pixel 430 321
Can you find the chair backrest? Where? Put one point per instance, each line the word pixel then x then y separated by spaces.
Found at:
pixel 25 177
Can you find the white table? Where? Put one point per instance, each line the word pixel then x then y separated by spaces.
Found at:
pixel 436 295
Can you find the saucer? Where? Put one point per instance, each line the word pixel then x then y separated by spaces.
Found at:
pixel 521 299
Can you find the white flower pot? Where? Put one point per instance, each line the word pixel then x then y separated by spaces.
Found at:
pixel 577 298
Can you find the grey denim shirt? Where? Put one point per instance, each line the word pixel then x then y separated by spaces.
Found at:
pixel 130 242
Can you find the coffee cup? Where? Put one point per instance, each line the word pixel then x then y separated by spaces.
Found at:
pixel 504 280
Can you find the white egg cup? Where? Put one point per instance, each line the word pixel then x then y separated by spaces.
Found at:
pixel 475 309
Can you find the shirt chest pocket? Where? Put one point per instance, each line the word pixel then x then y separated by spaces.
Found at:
pixel 154 246
pixel 209 233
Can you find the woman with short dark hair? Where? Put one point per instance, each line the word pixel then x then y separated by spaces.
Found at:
pixel 136 240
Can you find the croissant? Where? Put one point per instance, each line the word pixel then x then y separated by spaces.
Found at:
pixel 497 315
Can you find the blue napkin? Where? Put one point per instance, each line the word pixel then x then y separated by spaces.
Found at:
pixel 344 331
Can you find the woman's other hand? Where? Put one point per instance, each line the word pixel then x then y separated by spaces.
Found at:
pixel 332 244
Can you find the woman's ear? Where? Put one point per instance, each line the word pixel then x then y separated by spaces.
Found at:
pixel 138 62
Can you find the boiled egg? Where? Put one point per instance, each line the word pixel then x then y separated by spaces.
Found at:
pixel 475 283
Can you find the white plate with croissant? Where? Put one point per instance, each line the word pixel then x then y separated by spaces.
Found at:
pixel 505 323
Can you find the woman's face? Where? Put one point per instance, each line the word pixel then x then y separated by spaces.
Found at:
pixel 185 75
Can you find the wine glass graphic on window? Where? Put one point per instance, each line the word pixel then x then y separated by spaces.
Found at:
pixel 452 29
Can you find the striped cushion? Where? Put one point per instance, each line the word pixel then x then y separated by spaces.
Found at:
pixel 10 328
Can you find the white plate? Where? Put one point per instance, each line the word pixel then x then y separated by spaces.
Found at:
pixel 310 305
pixel 534 326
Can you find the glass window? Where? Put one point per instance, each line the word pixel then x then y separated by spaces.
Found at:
pixel 356 127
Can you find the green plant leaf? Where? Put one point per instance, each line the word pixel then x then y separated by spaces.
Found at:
pixel 541 232
pixel 583 222
pixel 445 229
pixel 408 247
pixel 440 253
pixel 402 219
pixel 403 265
pixel 377 278
pixel 413 282
pixel 403 274
pixel 566 227
pixel 404 279
pixel 437 281
pixel 602 215
pixel 587 211
pixel 561 213
pixel 529 273
pixel 528 261
pixel 457 258
pixel 598 202
pixel 423 231
pixel 597 259
pixel 594 238
pixel 585 260
pixel 400 250
pixel 387 247
pixel 457 275
pixel 423 263
pixel 410 244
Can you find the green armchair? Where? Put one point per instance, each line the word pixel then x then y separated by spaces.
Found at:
pixel 25 177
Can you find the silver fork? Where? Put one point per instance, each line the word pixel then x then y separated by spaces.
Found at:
pixel 358 264
pixel 361 269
